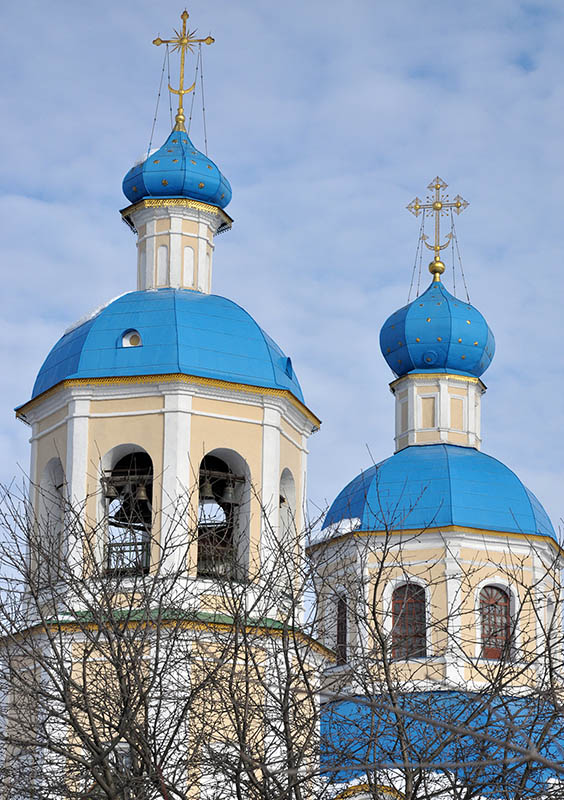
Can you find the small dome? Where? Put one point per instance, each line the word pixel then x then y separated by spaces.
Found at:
pixel 431 486
pixel 169 331
pixel 437 332
pixel 177 170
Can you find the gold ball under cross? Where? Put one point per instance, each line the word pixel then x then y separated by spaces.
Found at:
pixel 436 267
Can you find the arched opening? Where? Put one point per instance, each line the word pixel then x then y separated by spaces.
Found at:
pixel 48 545
pixel 409 625
pixel 495 617
pixel 287 505
pixel 342 632
pixel 222 516
pixel 128 495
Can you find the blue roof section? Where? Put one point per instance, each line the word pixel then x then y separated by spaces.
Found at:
pixel 182 331
pixel 437 333
pixel 362 731
pixel 430 486
pixel 177 169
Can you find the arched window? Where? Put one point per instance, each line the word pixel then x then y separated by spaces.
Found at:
pixel 219 520
pixel 495 616
pixel 409 627
pixel 128 494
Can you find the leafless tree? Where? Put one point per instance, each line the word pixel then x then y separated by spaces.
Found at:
pixel 449 670
pixel 132 676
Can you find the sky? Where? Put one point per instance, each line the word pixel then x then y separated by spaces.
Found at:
pixel 328 119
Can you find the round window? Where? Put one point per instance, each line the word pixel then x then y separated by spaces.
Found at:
pixel 131 339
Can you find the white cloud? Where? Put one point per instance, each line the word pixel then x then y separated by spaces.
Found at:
pixel 327 125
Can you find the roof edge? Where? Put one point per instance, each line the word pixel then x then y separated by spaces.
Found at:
pixel 179 377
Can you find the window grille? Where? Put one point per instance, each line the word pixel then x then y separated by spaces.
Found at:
pixel 409 627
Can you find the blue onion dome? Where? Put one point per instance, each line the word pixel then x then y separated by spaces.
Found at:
pixel 169 331
pixel 437 332
pixel 178 170
pixel 435 485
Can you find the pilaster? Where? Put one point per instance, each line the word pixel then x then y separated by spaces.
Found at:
pixel 434 408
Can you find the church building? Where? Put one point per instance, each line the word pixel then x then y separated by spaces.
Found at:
pixel 175 429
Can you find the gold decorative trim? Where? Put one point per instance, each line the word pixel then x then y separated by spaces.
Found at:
pixel 164 202
pixel 435 376
pixel 442 529
pixel 173 378
pixel 388 791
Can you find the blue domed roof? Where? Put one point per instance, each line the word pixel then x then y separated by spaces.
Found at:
pixel 430 486
pixel 178 170
pixel 181 331
pixel 437 333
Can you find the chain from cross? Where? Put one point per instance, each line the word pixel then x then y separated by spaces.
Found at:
pixel 437 205
pixel 184 40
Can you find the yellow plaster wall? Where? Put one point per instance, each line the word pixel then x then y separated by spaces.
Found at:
pixel 457 413
pixel 163 225
pixel 189 226
pixel 428 388
pixel 403 441
pixel 52 445
pixel 457 438
pixel 290 429
pixel 428 414
pixel 403 416
pixel 227 408
pixel 424 437
pixel 52 419
pixel 126 404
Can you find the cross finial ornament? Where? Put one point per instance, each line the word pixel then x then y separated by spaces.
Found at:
pixel 437 204
pixel 184 40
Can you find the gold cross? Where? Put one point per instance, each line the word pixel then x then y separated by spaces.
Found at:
pixel 185 40
pixel 437 205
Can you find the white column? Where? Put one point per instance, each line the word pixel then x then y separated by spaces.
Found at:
pixel 77 450
pixel 175 263
pixel 270 494
pixel 177 478
pixel 33 476
pixel 76 469
pixel 204 276
pixel 150 254
pixel 411 412
pixel 454 666
pixel 443 411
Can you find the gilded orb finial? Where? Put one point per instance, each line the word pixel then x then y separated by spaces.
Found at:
pixel 437 204
pixel 436 268
pixel 184 40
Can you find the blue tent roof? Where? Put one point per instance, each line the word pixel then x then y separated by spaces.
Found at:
pixel 436 485
pixel 488 728
pixel 181 331
pixel 437 332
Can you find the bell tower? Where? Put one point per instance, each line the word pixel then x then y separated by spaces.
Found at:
pixel 170 408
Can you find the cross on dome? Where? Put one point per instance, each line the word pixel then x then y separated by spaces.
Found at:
pixel 184 40
pixel 437 205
